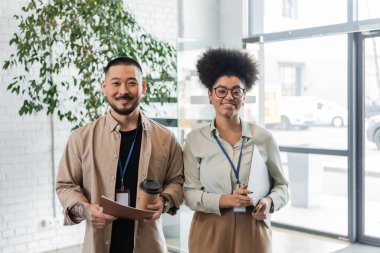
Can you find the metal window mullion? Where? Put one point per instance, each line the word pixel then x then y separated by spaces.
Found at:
pixel 320 31
pixel 314 151
pixel 360 89
pixel 352 11
pixel 353 72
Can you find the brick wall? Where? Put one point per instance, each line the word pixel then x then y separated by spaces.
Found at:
pixel 158 17
pixel 28 159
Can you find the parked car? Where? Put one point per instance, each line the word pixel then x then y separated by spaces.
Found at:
pixel 304 111
pixel 296 111
pixel 329 113
pixel 373 130
pixel 371 109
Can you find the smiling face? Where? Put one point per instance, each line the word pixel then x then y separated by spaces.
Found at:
pixel 229 106
pixel 123 86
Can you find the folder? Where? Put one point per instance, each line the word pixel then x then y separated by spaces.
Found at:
pixel 259 179
pixel 116 209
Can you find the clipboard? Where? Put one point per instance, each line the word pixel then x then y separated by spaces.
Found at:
pixel 113 208
pixel 258 180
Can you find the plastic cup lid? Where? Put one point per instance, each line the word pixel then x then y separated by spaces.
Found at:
pixel 151 186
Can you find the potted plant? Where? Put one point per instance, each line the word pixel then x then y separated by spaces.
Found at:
pixel 62 47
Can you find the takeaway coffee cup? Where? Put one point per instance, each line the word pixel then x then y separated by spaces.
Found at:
pixel 149 194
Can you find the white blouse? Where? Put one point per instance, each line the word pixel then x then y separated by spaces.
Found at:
pixel 208 173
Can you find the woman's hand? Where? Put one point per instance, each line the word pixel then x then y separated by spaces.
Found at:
pixel 238 199
pixel 262 209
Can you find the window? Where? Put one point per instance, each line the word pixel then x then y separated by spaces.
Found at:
pixel 328 109
pixel 289 8
pixel 290 76
pixel 284 15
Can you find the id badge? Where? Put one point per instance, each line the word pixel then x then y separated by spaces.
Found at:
pixel 122 197
pixel 240 209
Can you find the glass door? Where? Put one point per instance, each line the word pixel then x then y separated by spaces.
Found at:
pixel 303 84
pixel 370 166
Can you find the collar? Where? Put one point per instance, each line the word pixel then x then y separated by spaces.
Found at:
pixel 113 125
pixel 111 122
pixel 246 129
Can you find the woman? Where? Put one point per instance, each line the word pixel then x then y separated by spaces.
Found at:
pixel 217 159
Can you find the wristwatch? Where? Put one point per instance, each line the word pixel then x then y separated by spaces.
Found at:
pixel 166 206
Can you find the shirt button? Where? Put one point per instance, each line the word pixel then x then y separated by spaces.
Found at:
pixel 115 156
pixel 107 242
pixel 113 177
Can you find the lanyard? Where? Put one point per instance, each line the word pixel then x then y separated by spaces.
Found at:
pixel 122 171
pixel 236 170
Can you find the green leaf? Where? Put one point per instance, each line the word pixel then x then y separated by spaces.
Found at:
pixel 73 40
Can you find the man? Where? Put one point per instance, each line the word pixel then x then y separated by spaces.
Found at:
pixel 111 156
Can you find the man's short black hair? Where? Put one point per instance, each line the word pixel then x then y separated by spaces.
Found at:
pixel 122 60
pixel 217 62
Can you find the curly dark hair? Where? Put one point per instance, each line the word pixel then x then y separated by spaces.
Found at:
pixel 217 62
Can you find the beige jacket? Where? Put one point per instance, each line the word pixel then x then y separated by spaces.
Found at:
pixel 88 170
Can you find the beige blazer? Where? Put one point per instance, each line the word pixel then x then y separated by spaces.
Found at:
pixel 88 170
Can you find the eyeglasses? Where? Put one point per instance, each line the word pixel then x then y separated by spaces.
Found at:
pixel 236 92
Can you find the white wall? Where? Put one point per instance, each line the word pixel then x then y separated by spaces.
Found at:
pixel 211 23
pixel 26 152
pixel 232 18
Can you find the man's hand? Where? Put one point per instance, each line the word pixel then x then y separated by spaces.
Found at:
pixel 262 208
pixel 91 212
pixel 158 207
